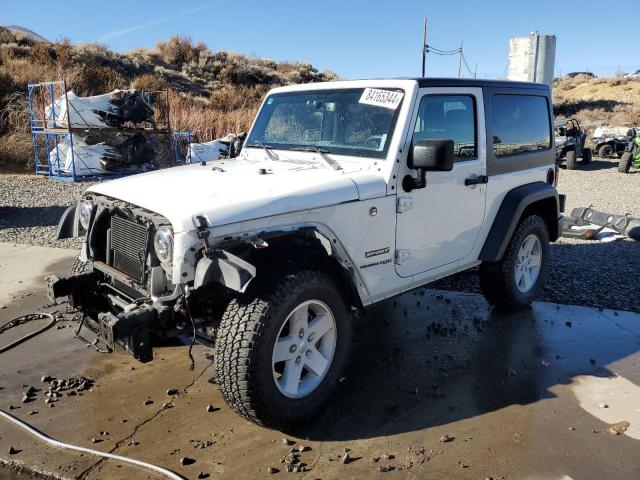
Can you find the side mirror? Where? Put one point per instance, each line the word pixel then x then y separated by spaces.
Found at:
pixel 428 155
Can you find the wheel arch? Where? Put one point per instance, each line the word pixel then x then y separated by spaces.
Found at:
pixel 537 198
pixel 310 247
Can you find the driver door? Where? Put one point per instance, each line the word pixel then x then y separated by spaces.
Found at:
pixel 439 225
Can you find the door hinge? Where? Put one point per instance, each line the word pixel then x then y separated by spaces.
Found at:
pixel 402 256
pixel 404 204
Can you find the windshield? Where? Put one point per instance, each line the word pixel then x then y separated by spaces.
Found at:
pixel 356 122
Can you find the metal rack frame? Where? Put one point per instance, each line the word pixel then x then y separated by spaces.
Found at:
pixel 53 129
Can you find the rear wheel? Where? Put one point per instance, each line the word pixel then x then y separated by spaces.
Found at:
pixel 625 162
pixel 605 151
pixel 571 160
pixel 587 156
pixel 280 352
pixel 516 280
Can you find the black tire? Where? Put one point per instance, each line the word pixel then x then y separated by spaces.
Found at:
pixel 587 155
pixel 605 151
pixel 244 347
pixel 625 162
pixel 571 160
pixel 497 279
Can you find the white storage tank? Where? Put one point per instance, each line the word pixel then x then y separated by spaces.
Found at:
pixel 532 58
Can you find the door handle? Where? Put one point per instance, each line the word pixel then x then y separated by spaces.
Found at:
pixel 476 180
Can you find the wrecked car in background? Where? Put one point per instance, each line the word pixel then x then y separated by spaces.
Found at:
pixel 344 194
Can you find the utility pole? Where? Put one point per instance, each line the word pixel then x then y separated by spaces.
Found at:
pixel 460 58
pixel 475 72
pixel 424 46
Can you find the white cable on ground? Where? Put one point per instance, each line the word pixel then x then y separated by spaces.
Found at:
pixel 56 443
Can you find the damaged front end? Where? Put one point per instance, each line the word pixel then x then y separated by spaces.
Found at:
pixel 141 281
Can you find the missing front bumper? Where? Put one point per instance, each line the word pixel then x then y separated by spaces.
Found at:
pixel 130 328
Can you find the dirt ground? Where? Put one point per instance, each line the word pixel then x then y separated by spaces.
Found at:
pixel 526 396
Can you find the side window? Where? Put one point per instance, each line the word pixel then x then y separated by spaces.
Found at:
pixel 451 117
pixel 520 123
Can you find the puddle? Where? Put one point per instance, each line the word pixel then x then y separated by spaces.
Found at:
pixel 614 400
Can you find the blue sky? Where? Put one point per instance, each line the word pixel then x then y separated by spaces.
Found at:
pixel 356 39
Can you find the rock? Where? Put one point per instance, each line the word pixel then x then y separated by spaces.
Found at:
pixel 375 459
pixel 203 475
pixel 303 448
pixel 346 459
pixel 133 443
pixel 187 461
pixel 603 405
pixel 13 407
pixel 272 470
pixel 447 438
pixel 210 408
pixel 147 402
pixel 388 456
pixel 172 391
pixel 286 441
pixel 26 398
pixel 32 412
pixel 13 451
pixel 95 440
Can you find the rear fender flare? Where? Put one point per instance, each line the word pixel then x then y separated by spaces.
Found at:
pixel 509 215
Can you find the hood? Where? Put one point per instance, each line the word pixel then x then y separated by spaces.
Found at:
pixel 230 191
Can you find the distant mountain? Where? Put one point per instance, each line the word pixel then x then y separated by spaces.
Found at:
pixel 25 32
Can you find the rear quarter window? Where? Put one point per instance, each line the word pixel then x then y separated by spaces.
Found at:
pixel 520 124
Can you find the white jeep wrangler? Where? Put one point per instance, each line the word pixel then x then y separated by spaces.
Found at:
pixel 343 195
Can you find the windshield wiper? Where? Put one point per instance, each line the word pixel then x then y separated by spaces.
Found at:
pixel 323 154
pixel 266 148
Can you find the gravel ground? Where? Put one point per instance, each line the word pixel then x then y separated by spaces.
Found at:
pixel 31 206
pixel 582 272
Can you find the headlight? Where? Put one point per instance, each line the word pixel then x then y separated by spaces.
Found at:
pixel 85 213
pixel 163 244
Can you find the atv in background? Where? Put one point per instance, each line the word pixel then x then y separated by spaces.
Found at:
pixel 570 140
pixel 631 155
pixel 608 146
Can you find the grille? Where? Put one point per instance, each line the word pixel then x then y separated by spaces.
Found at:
pixel 129 245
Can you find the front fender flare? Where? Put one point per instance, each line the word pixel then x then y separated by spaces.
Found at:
pixel 68 223
pixel 226 269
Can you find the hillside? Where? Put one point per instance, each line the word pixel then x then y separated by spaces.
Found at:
pixel 598 101
pixel 213 93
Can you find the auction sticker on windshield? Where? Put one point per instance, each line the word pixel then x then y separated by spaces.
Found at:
pixel 381 98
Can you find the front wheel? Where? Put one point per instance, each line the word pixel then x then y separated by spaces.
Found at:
pixel 280 351
pixel 571 160
pixel 516 280
pixel 625 162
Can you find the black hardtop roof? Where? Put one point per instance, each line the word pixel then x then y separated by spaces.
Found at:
pixel 475 82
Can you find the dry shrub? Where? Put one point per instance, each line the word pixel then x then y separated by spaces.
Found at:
pixel 64 53
pixel 42 53
pixel 206 122
pixel 149 83
pixel 95 80
pixel 16 151
pixel 14 112
pixel 614 82
pixel 178 50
